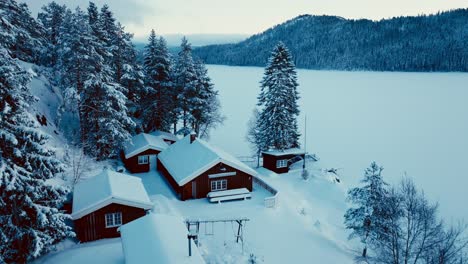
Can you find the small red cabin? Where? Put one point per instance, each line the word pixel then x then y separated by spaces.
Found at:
pixel 194 168
pixel 104 202
pixel 140 154
pixel 279 161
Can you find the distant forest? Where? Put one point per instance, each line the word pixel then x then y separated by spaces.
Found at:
pixel 437 42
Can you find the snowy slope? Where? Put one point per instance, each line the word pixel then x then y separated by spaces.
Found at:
pixel 306 227
pixel 48 101
pixel 45 110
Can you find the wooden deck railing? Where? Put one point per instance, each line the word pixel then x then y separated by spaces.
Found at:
pixel 272 201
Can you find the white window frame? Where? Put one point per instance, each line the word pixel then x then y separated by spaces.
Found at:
pixel 281 163
pixel 113 219
pixel 219 185
pixel 143 159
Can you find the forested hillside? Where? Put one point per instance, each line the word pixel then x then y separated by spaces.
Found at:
pixel 424 43
pixel 76 72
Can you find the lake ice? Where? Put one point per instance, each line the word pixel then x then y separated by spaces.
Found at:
pixel 411 123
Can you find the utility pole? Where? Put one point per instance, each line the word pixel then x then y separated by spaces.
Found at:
pixel 305 142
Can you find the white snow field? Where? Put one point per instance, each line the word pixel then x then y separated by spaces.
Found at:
pixel 408 122
pixel 306 227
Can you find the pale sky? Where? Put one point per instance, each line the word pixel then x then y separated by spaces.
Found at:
pixel 245 16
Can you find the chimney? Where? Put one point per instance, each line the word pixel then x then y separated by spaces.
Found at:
pixel 193 136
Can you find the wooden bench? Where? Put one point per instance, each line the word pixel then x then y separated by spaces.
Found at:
pixel 234 194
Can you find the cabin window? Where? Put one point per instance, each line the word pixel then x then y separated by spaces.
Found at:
pixel 113 219
pixel 218 185
pixel 143 159
pixel 281 163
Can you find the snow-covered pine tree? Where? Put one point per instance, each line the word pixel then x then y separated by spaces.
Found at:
pixel 51 19
pixel 157 104
pixel 105 117
pixel 367 220
pixel 185 83
pixel 76 63
pixel 204 104
pixel 108 34
pixel 91 90
pixel 128 71
pixel 20 32
pixel 93 19
pixel 254 136
pixel 278 101
pixel 30 219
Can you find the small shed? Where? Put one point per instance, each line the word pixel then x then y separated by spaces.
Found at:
pixel 104 202
pixel 194 168
pixel 158 238
pixel 280 160
pixel 169 138
pixel 140 153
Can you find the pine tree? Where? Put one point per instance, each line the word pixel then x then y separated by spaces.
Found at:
pixel 185 83
pixel 107 35
pixel 368 219
pixel 127 70
pixel 254 135
pixel 105 121
pixel 91 90
pixel 77 61
pixel 30 219
pixel 20 33
pixel 278 101
pixel 51 19
pixel 204 103
pixel 157 103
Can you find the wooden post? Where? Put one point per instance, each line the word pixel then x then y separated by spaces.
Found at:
pixel 238 230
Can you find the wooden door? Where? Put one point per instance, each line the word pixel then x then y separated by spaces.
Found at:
pixel 194 189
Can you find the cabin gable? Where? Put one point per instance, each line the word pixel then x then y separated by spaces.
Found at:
pixel 93 226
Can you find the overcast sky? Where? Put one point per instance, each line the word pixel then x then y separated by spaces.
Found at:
pixel 245 16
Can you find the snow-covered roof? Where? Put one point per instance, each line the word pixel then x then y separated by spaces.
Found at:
pixel 106 188
pixel 157 238
pixel 143 142
pixel 291 151
pixel 165 135
pixel 185 161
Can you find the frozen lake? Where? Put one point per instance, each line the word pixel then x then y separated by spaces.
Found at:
pixel 413 123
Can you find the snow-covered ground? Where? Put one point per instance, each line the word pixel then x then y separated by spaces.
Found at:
pixel 413 122
pixel 408 122
pixel 307 224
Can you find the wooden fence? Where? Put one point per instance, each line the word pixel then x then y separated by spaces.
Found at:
pixel 272 201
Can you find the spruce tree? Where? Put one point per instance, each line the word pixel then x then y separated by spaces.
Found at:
pixel 51 19
pixel 204 103
pixel 367 219
pixel 77 61
pixel 30 219
pixel 184 78
pixel 127 70
pixel 157 104
pixel 91 90
pixel 278 102
pixel 19 31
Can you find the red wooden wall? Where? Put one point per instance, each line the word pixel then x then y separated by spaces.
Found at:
pixel 93 226
pixel 132 163
pixel 203 182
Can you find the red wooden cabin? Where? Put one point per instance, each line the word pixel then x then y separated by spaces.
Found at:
pixel 194 168
pixel 140 154
pixel 279 161
pixel 104 202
